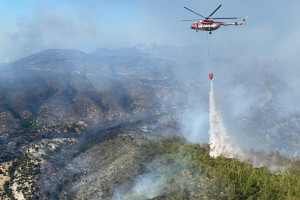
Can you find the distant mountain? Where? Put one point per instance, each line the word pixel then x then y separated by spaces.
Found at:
pixel 58 108
pixel 48 93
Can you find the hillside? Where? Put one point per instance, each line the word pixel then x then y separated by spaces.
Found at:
pixel 56 102
pixel 76 125
pixel 58 93
pixel 136 166
pixel 186 171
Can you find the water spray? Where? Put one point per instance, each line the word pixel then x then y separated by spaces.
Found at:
pixel 220 142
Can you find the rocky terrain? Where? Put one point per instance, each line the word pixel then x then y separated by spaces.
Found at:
pixel 72 125
pixel 4 177
pixel 64 92
pixel 56 103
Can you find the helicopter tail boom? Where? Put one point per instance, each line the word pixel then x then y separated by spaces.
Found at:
pixel 235 23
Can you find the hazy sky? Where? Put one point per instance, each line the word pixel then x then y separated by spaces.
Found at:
pixel 28 26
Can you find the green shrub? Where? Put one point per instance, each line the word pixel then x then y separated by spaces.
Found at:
pixel 219 178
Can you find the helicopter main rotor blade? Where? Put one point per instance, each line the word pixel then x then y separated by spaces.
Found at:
pixel 185 20
pixel 214 12
pixel 194 12
pixel 224 18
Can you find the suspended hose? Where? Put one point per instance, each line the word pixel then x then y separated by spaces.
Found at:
pixel 208 54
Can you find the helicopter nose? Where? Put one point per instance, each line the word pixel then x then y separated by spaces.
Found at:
pixel 192 26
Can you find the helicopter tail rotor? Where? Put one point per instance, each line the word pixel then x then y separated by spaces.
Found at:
pixel 243 21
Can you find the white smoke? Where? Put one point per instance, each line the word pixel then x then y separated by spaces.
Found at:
pixel 221 143
pixel 159 174
pixel 147 186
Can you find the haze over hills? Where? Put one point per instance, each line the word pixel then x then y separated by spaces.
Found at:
pixel 149 80
pixel 64 110
pixel 48 92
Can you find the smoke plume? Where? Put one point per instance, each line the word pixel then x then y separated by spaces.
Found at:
pixel 160 172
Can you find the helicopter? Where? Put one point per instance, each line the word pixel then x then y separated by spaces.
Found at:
pixel 208 24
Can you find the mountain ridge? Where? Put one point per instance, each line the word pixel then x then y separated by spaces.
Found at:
pixel 57 105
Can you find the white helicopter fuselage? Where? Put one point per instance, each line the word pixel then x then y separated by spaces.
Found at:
pixel 210 25
pixel 207 27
